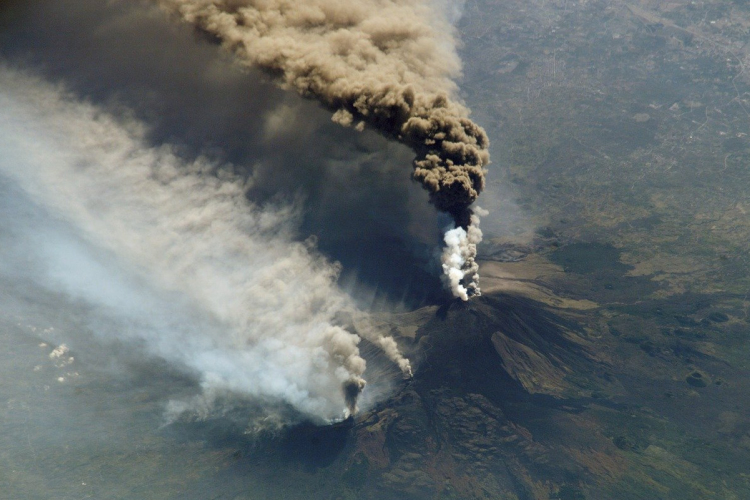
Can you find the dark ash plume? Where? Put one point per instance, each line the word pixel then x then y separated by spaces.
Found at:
pixel 352 388
pixel 387 64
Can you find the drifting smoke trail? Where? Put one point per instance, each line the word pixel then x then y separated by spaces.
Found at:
pixel 245 306
pixel 384 63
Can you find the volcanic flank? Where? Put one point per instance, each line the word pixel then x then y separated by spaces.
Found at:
pixel 493 373
pixel 388 65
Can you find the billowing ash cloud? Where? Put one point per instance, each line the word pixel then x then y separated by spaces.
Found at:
pixel 175 257
pixel 353 188
pixel 384 64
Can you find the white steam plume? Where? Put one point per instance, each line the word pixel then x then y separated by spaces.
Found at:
pixel 197 274
pixel 460 270
pixel 364 326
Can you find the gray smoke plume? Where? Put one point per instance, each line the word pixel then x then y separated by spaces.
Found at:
pixel 384 64
pixel 174 256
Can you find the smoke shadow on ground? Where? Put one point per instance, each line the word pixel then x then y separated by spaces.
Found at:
pixel 355 188
pixel 316 447
pixel 305 444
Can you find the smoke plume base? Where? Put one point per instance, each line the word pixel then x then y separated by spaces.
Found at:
pixel 460 270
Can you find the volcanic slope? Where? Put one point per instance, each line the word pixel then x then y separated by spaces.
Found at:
pixel 494 411
pixel 490 396
pixel 513 397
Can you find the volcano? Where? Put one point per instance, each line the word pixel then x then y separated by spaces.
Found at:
pixel 496 409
